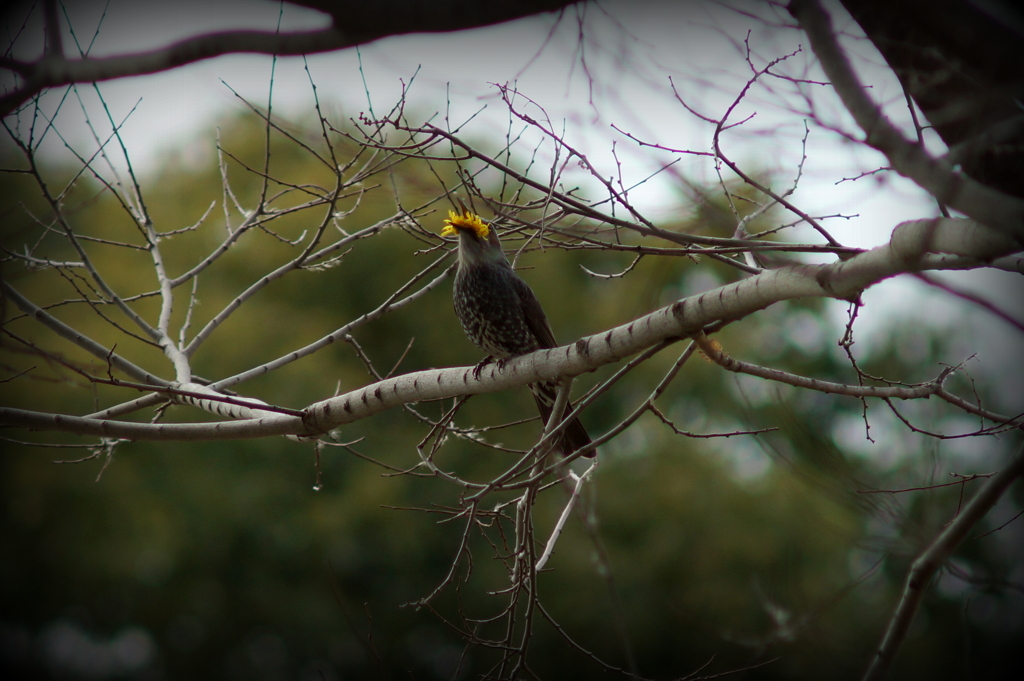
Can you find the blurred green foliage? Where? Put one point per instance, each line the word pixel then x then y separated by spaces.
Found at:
pixel 220 561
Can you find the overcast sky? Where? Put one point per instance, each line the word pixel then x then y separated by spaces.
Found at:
pixel 618 74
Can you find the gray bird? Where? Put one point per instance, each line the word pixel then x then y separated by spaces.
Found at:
pixel 500 313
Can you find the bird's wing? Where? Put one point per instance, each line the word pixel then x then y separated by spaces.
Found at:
pixel 536 320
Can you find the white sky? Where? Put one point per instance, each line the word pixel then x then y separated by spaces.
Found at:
pixel 632 49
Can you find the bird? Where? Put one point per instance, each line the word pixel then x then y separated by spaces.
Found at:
pixel 502 316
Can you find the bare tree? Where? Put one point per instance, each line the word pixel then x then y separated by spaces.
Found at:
pixel 970 98
pixel 351 23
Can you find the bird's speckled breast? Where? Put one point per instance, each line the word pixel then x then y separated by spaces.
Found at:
pixel 491 313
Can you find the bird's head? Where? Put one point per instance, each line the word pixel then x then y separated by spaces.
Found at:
pixel 478 242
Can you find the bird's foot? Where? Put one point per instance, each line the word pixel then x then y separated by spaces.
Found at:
pixel 481 364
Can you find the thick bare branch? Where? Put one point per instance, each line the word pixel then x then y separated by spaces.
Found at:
pixel 356 23
pixel 960 62
pixel 844 280
pixel 275 424
pixel 937 176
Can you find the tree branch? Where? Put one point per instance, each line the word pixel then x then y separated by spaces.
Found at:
pixel 842 280
pixel 81 340
pixel 932 558
pixel 355 23
pixel 936 176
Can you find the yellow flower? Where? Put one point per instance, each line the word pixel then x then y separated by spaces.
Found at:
pixel 465 220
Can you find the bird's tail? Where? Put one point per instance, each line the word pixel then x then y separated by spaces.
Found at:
pixel 575 435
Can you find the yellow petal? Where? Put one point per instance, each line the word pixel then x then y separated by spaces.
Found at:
pixel 466 220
